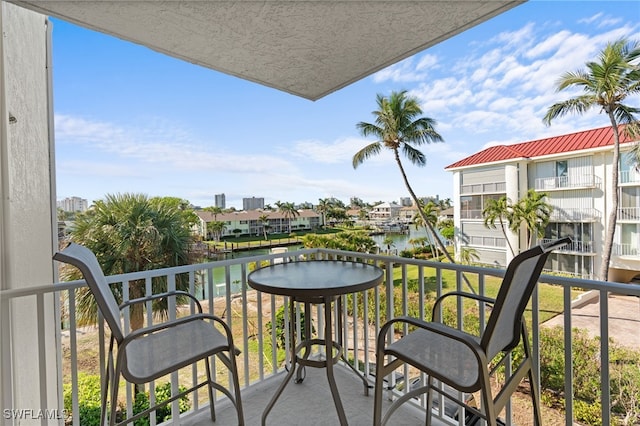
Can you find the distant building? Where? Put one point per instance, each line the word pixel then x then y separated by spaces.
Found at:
pixel 574 171
pixel 384 212
pixel 252 203
pixel 406 201
pixel 73 204
pixel 220 201
pixel 252 223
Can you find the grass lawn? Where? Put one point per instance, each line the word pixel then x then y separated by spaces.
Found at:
pixel 551 296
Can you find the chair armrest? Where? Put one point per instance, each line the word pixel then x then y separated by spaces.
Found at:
pixel 161 296
pixel 434 327
pixel 168 324
pixel 477 297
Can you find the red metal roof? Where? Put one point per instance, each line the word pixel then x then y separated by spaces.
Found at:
pixel 579 141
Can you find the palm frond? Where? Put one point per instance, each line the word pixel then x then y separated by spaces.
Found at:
pixel 365 153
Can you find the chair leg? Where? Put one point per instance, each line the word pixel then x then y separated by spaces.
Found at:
pixel 377 392
pixel 212 409
pixel 236 386
pixel 428 412
pixel 114 394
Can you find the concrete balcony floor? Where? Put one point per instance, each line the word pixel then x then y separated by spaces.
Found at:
pixel 308 403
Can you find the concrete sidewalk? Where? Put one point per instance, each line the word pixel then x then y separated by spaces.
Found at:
pixel 624 318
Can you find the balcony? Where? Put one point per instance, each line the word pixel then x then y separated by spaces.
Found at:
pixel 262 367
pixel 560 214
pixel 582 247
pixel 626 249
pixel 629 177
pixel 629 214
pixel 567 182
pixel 483 188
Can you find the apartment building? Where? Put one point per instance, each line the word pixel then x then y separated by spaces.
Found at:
pixel 574 170
pixel 384 212
pixel 250 222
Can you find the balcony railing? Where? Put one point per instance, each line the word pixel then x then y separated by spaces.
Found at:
pixel 248 313
pixel 626 249
pixel 574 246
pixel 470 214
pixel 560 214
pixel 629 213
pixel 483 188
pixel 629 176
pixel 567 182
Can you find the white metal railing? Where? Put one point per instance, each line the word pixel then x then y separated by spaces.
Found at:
pixel 626 249
pixel 483 188
pixel 573 246
pixel 488 241
pixel 471 214
pixel 629 213
pixel 567 182
pixel 629 176
pixel 575 215
pixel 246 313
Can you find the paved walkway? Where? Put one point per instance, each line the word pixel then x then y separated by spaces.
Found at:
pixel 624 319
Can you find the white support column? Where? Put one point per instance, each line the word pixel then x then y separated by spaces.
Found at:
pixel 515 175
pixel 29 355
pixel 457 223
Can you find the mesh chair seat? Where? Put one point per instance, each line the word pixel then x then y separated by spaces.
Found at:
pixel 444 357
pixel 153 355
pixel 448 355
pixel 158 349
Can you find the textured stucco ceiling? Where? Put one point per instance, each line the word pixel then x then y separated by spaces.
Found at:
pixel 307 48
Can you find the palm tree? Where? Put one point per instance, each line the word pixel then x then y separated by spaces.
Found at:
pixel 215 210
pixel 468 255
pixel 499 209
pixel 534 212
pixel 388 241
pixel 429 213
pixel 264 220
pixel 217 228
pixel 605 85
pixel 130 233
pixel 288 210
pixel 399 127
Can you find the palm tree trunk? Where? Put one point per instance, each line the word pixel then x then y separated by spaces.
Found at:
pixel 441 246
pixel 506 237
pixel 613 213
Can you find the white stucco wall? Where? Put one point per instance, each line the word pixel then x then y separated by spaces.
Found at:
pixel 29 372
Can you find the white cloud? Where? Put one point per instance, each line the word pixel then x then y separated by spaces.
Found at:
pixel 329 153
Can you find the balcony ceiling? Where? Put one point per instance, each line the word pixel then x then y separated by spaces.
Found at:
pixel 307 48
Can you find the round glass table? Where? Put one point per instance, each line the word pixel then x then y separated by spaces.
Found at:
pixel 316 282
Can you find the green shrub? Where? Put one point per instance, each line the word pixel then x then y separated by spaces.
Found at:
pixel 163 393
pixel 89 403
pixel 280 327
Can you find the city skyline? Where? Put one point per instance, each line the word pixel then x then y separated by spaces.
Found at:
pixel 129 119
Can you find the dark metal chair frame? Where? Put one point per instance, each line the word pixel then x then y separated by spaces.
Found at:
pixel 461 360
pixel 173 344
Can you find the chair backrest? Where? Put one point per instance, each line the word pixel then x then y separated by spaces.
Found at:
pixel 84 259
pixel 504 325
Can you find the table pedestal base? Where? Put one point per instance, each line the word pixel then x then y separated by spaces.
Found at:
pixel 303 361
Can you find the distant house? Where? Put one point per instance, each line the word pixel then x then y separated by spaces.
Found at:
pixel 574 171
pixel 384 212
pixel 249 222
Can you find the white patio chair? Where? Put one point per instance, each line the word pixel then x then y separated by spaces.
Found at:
pixel 461 360
pixel 152 352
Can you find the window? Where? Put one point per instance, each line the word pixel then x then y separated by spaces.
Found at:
pixel 562 172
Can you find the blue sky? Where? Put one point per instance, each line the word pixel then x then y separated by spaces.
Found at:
pixel 129 119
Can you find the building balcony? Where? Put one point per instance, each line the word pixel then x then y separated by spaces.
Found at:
pixel 560 214
pixel 629 177
pixel 81 349
pixel 567 182
pixel 470 214
pixel 626 249
pixel 629 214
pixel 582 247
pixel 483 188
